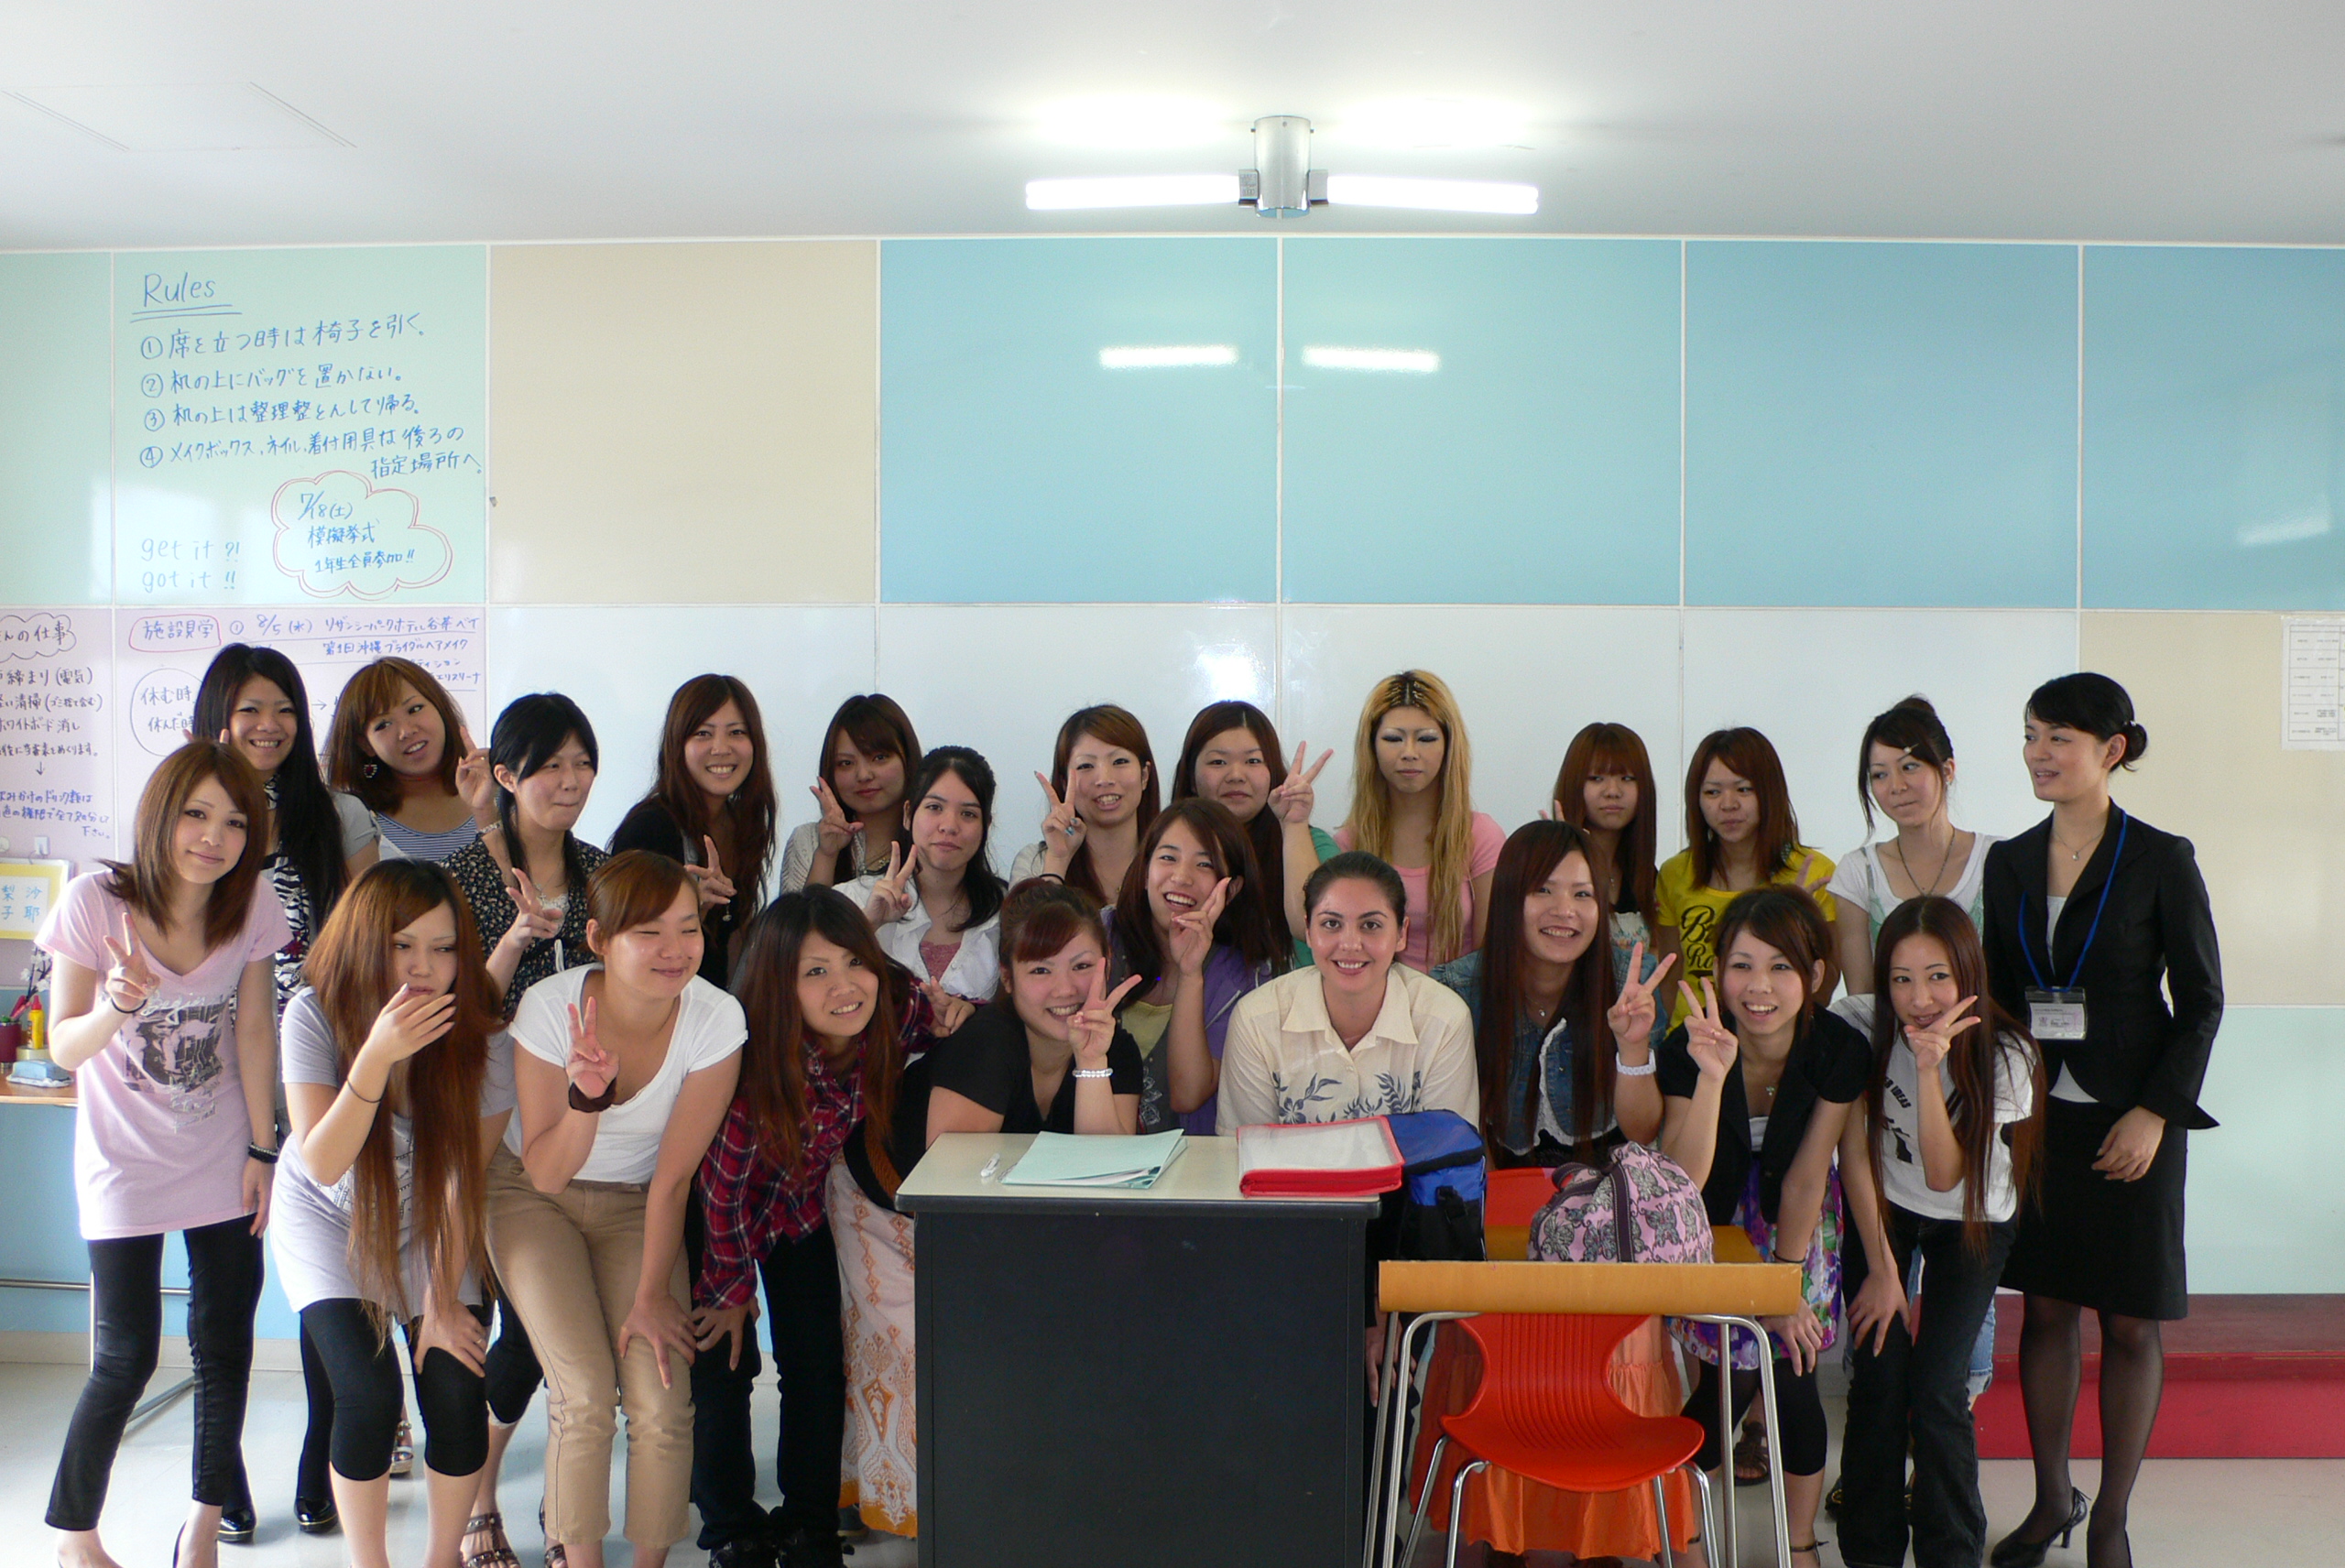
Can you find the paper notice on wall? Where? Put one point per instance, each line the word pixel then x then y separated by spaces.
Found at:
pixel 55 741
pixel 2313 670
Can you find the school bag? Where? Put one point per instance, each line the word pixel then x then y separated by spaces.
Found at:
pixel 1436 1215
pixel 1638 1207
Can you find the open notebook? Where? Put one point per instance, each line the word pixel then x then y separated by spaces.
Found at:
pixel 1062 1160
pixel 1318 1159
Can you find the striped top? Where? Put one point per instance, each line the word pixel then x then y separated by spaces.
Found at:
pixel 401 842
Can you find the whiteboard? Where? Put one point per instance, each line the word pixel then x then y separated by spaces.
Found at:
pixel 57 740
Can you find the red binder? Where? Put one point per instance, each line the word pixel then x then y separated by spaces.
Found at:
pixel 1318 1159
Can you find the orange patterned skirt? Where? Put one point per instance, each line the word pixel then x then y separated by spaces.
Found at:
pixel 878 1469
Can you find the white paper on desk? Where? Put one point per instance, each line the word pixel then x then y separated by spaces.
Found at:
pixel 1065 1160
pixel 1363 1145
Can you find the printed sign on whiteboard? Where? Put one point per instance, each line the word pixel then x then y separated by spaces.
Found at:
pixel 2313 668
pixel 28 891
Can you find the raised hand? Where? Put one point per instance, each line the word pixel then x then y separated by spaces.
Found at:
pixel 1061 830
pixel 1553 811
pixel 946 1012
pixel 1814 874
pixel 130 979
pixel 1632 1016
pixel 1191 942
pixel 1707 1038
pixel 591 1068
pixel 534 920
pixel 1093 1029
pixel 834 830
pixel 475 780
pixel 892 895
pixel 1293 798
pixel 409 1021
pixel 1930 1045
pixel 716 888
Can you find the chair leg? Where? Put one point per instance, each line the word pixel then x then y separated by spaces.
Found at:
pixel 1660 1513
pixel 1707 1502
pixel 1384 1417
pixel 1424 1502
pixel 1457 1508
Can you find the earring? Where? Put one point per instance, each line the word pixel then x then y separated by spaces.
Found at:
pixel 372 769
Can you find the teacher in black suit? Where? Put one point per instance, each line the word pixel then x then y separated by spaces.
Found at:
pixel 2085 914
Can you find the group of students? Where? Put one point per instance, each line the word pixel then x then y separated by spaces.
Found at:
pixel 555 1114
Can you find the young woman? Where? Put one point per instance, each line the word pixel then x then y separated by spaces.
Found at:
pixel 163 1000
pixel 1541 993
pixel 1606 789
pixel 398 744
pixel 623 1069
pixel 937 907
pixel 1102 792
pixel 1047 1055
pixel 1231 757
pixel 1357 1034
pixel 827 1033
pixel 1740 834
pixel 1413 807
pixel 1754 1090
pixel 1933 1158
pixel 711 807
pixel 526 874
pixel 1192 927
pixel 252 699
pixel 2087 913
pixel 1904 767
pixel 859 787
pixel 395 1106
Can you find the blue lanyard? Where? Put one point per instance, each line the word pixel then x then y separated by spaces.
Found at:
pixel 2124 823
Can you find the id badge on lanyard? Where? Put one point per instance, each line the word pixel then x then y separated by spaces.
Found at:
pixel 2056 1011
pixel 2056 1015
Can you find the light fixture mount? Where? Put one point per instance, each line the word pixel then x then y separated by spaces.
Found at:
pixel 1283 184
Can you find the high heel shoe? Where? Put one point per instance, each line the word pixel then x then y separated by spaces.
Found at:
pixel 2015 1551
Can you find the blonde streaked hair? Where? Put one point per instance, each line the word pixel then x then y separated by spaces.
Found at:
pixel 1370 817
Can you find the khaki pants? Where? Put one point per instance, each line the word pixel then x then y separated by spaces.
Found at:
pixel 571 1261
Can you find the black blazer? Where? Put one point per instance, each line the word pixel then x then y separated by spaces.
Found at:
pixel 1829 1061
pixel 2136 1050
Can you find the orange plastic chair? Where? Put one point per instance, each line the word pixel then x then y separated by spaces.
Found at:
pixel 1546 1410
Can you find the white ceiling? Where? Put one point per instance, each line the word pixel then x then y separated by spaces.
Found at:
pixel 2022 119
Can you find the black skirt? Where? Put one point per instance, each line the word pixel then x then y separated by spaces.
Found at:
pixel 2111 1246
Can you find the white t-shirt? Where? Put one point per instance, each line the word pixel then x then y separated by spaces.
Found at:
pixel 1903 1178
pixel 1858 877
pixel 710 1027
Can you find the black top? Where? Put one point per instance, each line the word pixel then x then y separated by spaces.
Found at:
pixel 2137 1051
pixel 907 1140
pixel 476 872
pixel 985 1060
pixel 1829 1061
pixel 650 825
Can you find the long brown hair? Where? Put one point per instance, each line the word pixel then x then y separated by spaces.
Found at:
pixel 750 807
pixel 1266 833
pixel 773 1057
pixel 350 968
pixel 1616 748
pixel 1117 727
pixel 145 880
pixel 1751 755
pixel 351 765
pixel 879 727
pixel 1787 920
pixel 1973 1060
pixel 1370 817
pixel 1532 853
pixel 1244 924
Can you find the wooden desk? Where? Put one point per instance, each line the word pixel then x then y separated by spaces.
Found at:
pixel 20 1095
pixel 1150 1379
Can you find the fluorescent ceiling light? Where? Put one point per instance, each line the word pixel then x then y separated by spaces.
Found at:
pixel 1134 122
pixel 1132 190
pixel 1409 123
pixel 1428 195
pixel 1418 361
pixel 1160 357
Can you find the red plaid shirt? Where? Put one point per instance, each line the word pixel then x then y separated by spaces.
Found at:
pixel 750 1201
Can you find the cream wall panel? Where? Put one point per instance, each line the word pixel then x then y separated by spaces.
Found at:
pixel 684 424
pixel 1526 676
pixel 2269 825
pixel 1812 679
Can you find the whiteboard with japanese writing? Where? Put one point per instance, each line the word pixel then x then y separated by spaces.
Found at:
pixel 56 734
pixel 300 425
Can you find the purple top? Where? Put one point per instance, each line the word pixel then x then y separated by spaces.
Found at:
pixel 1228 977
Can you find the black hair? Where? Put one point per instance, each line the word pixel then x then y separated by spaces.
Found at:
pixel 1911 727
pixel 528 733
pixel 309 828
pixel 980 884
pixel 2093 703
pixel 1358 865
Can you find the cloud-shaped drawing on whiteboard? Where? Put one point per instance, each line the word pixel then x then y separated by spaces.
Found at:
pixel 337 533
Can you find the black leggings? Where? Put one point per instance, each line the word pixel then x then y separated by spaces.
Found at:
pixel 1799 1411
pixel 513 1370
pixel 223 1274
pixel 367 1398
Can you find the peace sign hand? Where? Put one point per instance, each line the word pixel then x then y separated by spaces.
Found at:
pixel 411 1020
pixel 534 920
pixel 834 830
pixel 716 888
pixel 1632 1016
pixel 1093 1029
pixel 130 979
pixel 946 1012
pixel 1814 874
pixel 891 895
pixel 1293 798
pixel 476 780
pixel 1192 941
pixel 1553 811
pixel 591 1068
pixel 1930 1045
pixel 1061 830
pixel 1707 1039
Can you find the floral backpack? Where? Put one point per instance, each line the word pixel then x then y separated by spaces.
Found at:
pixel 1640 1208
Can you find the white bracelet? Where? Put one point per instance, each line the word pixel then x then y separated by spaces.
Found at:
pixel 1622 1070
pixel 1095 1072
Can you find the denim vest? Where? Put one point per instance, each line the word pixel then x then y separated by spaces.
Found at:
pixel 1547 1053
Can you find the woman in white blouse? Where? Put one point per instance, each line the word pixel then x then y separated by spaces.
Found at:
pixel 938 910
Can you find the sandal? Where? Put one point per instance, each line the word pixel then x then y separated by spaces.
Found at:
pixel 1810 1549
pixel 1750 1458
pixel 498 1552
pixel 555 1556
pixel 403 1451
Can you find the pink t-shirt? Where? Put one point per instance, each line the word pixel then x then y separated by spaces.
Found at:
pixel 159 1142
pixel 1489 839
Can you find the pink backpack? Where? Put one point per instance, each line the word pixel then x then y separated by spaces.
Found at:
pixel 1642 1208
